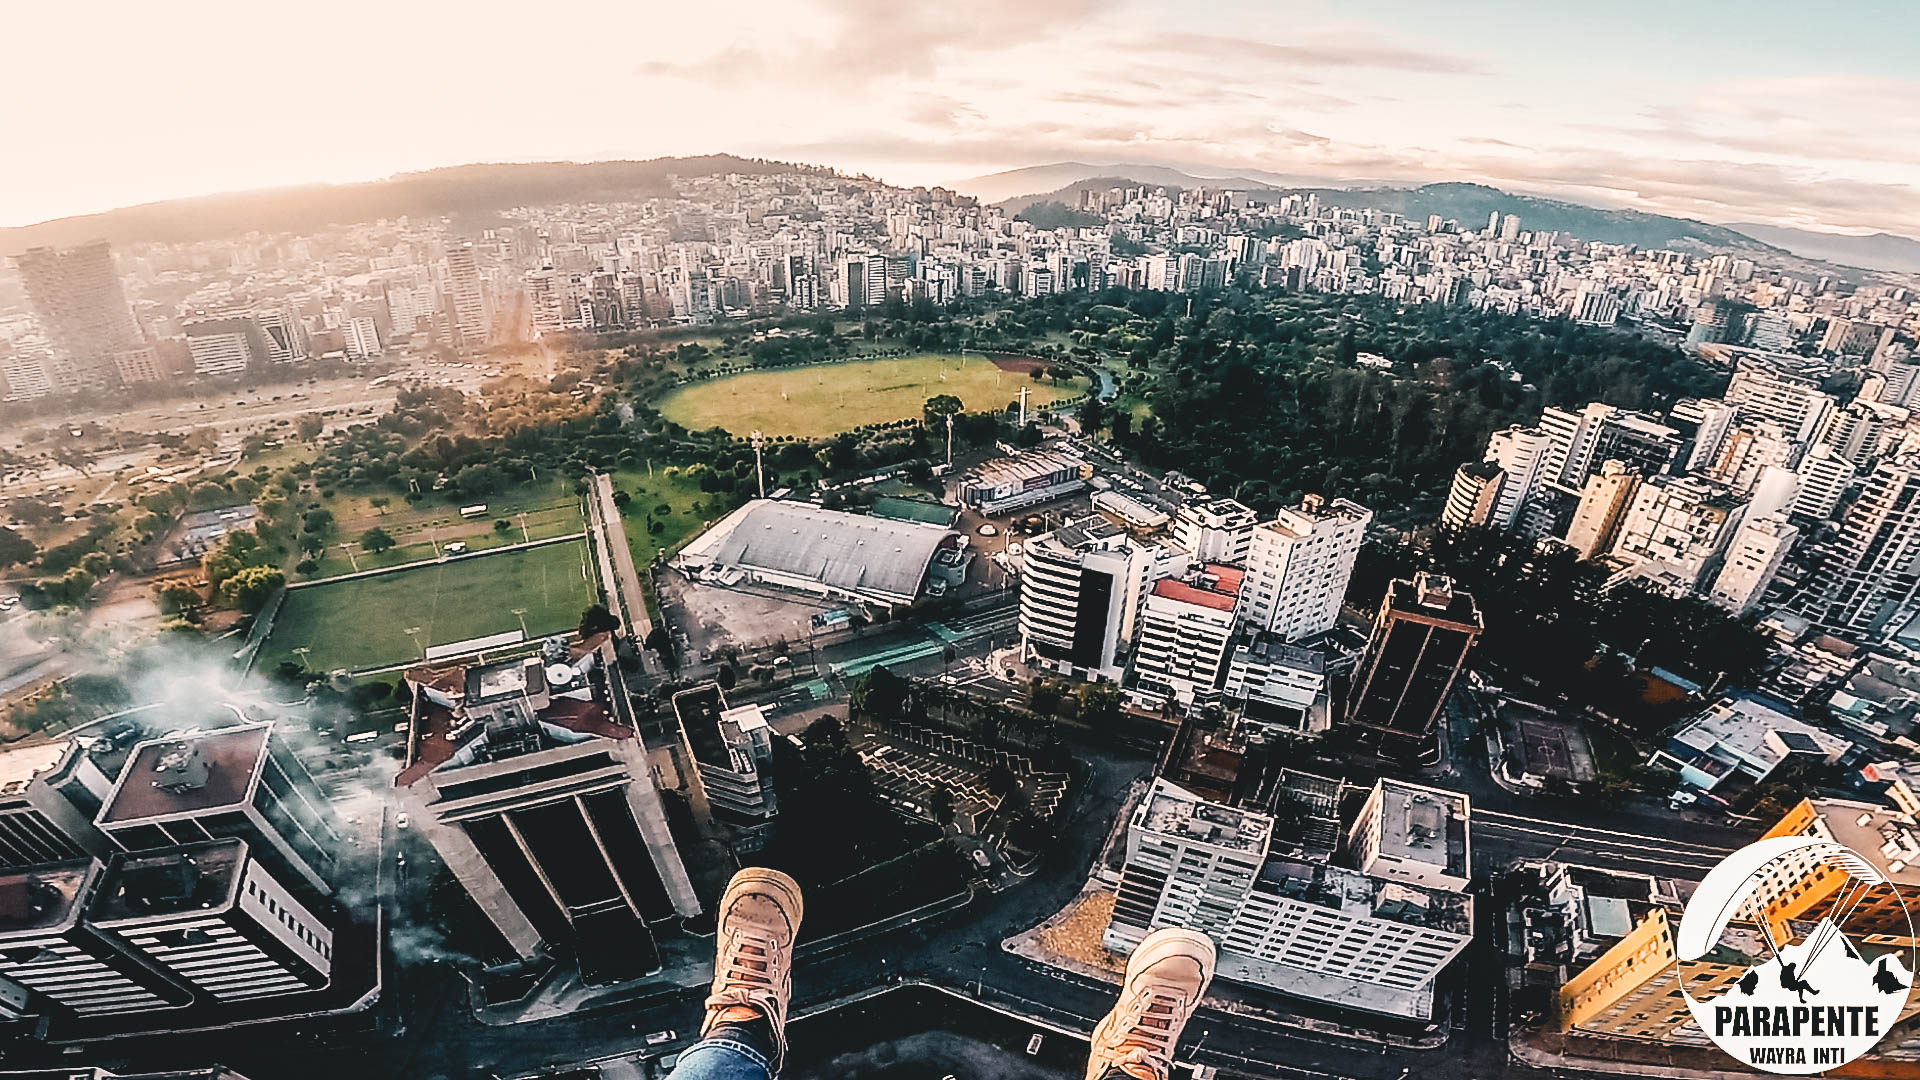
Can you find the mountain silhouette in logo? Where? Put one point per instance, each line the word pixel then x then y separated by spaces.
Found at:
pixel 1823 962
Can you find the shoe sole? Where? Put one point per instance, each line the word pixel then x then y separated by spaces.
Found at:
pixel 784 890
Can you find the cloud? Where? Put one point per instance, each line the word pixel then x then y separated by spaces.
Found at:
pixel 1317 50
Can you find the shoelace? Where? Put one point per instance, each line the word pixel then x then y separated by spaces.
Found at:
pixel 1149 1022
pixel 748 972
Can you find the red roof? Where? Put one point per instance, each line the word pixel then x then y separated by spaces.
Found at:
pixel 1174 589
pixel 431 723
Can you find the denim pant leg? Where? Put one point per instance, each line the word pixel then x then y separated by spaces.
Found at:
pixel 729 1052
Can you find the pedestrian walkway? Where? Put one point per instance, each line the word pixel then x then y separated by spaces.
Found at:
pixel 899 654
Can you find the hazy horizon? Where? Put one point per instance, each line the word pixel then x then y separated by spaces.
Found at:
pixel 1748 114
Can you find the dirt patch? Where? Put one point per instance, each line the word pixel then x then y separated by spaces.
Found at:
pixel 1022 364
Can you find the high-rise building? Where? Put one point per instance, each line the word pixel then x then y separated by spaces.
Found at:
pixel 1754 558
pixel 1748 448
pixel 468 317
pixel 1419 645
pixel 1373 940
pixel 1583 440
pixel 1861 431
pixel 1215 530
pixel 216 919
pixel 362 336
pixel 1603 505
pixel 1795 403
pixel 49 794
pixel 1676 529
pixel 284 333
pixel 529 779
pixel 222 346
pixel 242 781
pixel 1080 592
pixel 1299 564
pixel 1824 479
pixel 1186 624
pixel 81 307
pixel 26 370
pixel 1867 574
pixel 1472 497
pixel 732 753
pixel 67 966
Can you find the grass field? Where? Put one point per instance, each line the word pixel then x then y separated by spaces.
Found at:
pixel 550 507
pixel 680 494
pixel 824 399
pixel 363 623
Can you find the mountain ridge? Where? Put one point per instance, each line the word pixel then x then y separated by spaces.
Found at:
pixel 1872 251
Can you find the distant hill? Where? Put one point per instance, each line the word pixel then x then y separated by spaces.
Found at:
pixel 1038 182
pixel 1469 204
pixel 463 189
pixel 1876 251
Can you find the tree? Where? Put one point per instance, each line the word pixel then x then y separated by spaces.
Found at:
pixel 598 620
pixel 725 677
pixel 176 597
pixel 249 588
pixel 938 408
pixel 502 526
pixel 380 503
pixel 15 549
pixel 376 540
pixel 1099 703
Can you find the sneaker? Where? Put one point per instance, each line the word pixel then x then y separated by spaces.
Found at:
pixel 759 916
pixel 1166 977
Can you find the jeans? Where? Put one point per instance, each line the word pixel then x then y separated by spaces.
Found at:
pixel 729 1052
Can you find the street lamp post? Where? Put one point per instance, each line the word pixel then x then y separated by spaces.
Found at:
pixel 521 614
pixel 759 465
pixel 414 633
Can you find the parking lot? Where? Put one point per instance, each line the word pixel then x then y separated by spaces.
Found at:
pixel 908 770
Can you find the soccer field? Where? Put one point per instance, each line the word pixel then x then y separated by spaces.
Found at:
pixel 824 399
pixel 360 624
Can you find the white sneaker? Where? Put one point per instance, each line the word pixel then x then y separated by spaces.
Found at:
pixel 758 918
pixel 1166 977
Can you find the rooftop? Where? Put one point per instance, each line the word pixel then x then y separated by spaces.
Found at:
pixel 1300 520
pixel 1174 811
pixel 851 553
pixel 1216 587
pixel 1021 468
pixel 439 732
pixel 699 710
pixel 1433 596
pixel 1353 893
pixel 1425 824
pixel 20 764
pixel 147 884
pixel 1885 837
pixel 1271 648
pixel 41 897
pixel 188 774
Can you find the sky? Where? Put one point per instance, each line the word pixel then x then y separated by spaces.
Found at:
pixel 1802 115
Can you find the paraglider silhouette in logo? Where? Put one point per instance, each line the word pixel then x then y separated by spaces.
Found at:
pixel 1812 997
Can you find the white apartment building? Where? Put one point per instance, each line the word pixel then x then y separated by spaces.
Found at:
pixel 1280 687
pixel 1522 454
pixel 1824 478
pixel 1186 625
pixel 1298 567
pixel 1794 404
pixel 1754 558
pixel 1680 526
pixel 1215 530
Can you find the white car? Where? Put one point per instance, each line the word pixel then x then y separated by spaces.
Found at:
pixel 8 603
pixel 400 821
pixel 989 530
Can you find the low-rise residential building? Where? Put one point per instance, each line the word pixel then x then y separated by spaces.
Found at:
pixel 1186 625
pixel 1743 740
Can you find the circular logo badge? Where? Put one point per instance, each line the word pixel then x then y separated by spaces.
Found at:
pixel 1795 955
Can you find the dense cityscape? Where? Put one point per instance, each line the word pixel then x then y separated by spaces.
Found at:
pixel 414 614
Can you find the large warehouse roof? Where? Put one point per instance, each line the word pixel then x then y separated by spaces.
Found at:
pixel 849 553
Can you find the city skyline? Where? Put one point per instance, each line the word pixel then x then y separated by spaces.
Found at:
pixel 1778 120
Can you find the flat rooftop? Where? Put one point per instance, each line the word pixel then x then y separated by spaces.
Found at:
pixel 171 880
pixel 1216 587
pixel 38 898
pixel 1424 824
pixel 1885 837
pixel 1174 811
pixel 191 773
pixel 20 764
pixel 1359 895
pixel 699 710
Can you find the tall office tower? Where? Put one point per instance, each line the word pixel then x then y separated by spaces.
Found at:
pixel 1676 529
pixel 81 307
pixel 1186 625
pixel 1708 422
pixel 242 781
pixel 49 794
pixel 545 301
pixel 1865 578
pixel 1712 322
pixel 531 782
pixel 1824 479
pixel 285 334
pixel 222 346
pixel 1754 558
pixel 1861 431
pixel 732 753
pixel 1510 228
pixel 1215 530
pixel 1593 305
pixel 362 337
pixel 1603 505
pixel 468 317
pixel 1521 454
pixel 1373 938
pixel 1080 592
pixel 68 967
pixel 1473 495
pixel 1299 564
pixel 1899 384
pixel 1493 223
pixel 213 917
pixel 1419 644
pixel 1749 448
pixel 1796 404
